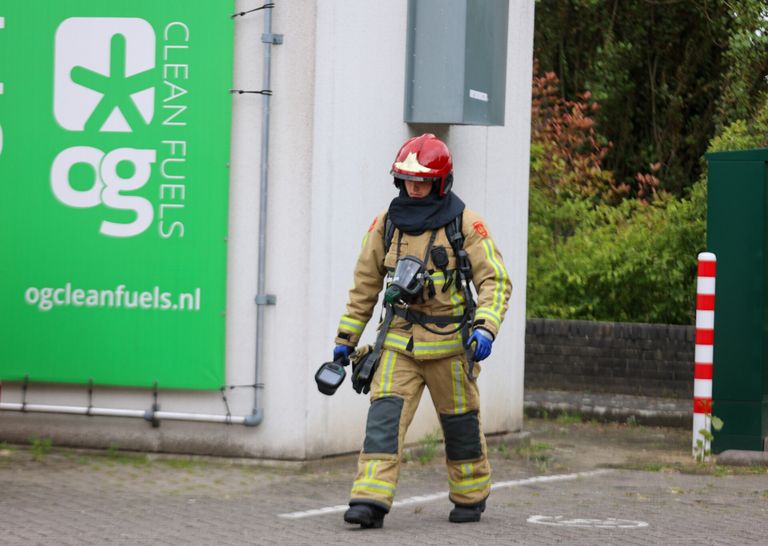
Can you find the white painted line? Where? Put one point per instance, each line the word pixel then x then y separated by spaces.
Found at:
pixel 437 496
pixel 610 523
pixel 1 88
pixel 318 512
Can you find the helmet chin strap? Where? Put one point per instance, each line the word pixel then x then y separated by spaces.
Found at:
pixel 447 185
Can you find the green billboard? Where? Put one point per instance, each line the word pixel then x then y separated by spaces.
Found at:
pixel 114 147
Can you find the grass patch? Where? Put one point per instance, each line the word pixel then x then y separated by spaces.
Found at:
pixel 114 455
pixel 428 448
pixel 632 422
pixel 177 463
pixel 537 453
pixel 699 469
pixel 534 450
pixel 566 418
pixel 425 450
pixel 40 448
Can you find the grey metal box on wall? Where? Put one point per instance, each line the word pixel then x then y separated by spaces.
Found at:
pixel 456 59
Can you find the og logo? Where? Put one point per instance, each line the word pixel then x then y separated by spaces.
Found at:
pixel 103 83
pixel 107 185
pixel 103 74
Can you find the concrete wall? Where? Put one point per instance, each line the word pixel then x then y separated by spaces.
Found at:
pixel 336 123
pixel 608 357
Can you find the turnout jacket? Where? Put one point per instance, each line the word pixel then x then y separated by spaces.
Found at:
pixel 489 277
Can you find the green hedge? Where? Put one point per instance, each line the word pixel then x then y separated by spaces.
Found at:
pixel 634 262
pixel 631 262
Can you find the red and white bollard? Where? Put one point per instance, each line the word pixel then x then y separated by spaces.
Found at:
pixel 705 336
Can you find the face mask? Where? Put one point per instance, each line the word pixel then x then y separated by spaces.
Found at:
pixel 408 282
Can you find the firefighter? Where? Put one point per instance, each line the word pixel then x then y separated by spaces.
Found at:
pixel 434 337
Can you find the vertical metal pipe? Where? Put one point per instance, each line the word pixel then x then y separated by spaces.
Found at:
pixel 261 297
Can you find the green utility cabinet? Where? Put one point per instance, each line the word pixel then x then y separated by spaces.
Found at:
pixel 737 232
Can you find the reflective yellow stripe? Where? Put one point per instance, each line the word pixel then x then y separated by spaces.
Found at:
pixel 374 488
pixel 457 300
pixel 423 348
pixel 394 341
pixel 459 395
pixel 454 295
pixel 353 326
pixel 486 311
pixel 365 240
pixel 386 375
pixel 370 483
pixel 437 347
pixel 488 314
pixel 501 276
pixel 466 486
pixel 438 278
pixel 370 467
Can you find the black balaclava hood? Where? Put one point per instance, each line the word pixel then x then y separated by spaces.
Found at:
pixel 418 215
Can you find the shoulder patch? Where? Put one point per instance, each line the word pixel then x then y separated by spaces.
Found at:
pixel 373 224
pixel 480 229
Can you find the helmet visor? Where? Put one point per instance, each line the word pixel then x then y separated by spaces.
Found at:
pixel 413 178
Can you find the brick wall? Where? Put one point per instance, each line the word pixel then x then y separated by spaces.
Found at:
pixel 622 358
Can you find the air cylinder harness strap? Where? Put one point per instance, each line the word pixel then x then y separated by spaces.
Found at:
pixel 361 379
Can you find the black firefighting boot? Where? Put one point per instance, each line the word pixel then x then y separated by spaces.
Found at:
pixel 367 515
pixel 466 513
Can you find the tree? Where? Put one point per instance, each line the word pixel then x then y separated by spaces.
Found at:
pixel 667 74
pixel 594 253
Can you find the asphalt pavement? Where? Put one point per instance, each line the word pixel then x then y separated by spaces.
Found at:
pixel 562 482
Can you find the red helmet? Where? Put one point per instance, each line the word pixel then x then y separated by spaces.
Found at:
pixel 425 158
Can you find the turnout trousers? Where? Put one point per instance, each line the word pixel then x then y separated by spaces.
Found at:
pixel 396 389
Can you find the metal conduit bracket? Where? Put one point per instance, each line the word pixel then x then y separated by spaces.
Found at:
pixel 90 397
pixel 274 39
pixel 24 386
pixel 266 299
pixel 149 415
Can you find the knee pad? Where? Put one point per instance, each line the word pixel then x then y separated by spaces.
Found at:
pixel 462 436
pixel 383 426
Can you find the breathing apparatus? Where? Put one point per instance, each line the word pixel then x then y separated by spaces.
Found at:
pixel 407 286
pixel 407 282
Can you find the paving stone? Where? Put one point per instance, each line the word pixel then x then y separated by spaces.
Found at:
pixel 72 498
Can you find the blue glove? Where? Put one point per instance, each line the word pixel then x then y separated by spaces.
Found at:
pixel 483 341
pixel 342 352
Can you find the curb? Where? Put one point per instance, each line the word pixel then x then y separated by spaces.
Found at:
pixel 605 413
pixel 740 457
